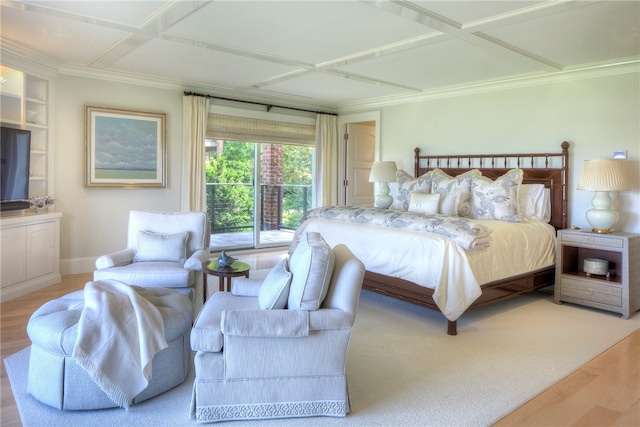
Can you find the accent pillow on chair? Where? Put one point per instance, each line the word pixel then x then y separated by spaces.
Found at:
pixel 311 264
pixel 162 247
pixel 274 290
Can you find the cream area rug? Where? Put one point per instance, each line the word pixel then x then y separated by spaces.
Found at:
pixel 404 370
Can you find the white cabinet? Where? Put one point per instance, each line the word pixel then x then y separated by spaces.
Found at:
pixel 25 100
pixel 30 245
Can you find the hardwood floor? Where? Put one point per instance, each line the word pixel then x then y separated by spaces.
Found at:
pixel 604 392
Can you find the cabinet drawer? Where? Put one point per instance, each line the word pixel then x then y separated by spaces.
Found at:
pixel 593 239
pixel 591 291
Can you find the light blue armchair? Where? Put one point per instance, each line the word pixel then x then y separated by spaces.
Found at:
pixel 258 360
pixel 164 250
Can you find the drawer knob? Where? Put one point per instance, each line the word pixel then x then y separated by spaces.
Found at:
pixel 589 291
pixel 591 240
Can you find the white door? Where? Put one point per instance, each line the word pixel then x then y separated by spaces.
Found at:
pixel 360 153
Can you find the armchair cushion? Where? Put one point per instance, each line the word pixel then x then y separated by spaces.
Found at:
pixel 161 247
pixel 116 259
pixel 311 264
pixel 274 291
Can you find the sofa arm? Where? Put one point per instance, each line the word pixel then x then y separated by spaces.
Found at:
pixel 243 287
pixel 123 257
pixel 196 259
pixel 327 319
pixel 265 323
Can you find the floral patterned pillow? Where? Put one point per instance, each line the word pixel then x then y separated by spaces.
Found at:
pixel 459 185
pixel 498 199
pixel 407 184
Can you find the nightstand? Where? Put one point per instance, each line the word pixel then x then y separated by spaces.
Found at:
pixel 620 292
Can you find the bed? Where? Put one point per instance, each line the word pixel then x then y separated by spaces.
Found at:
pixel 466 258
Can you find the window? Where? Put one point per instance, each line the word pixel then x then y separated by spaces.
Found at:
pixel 257 203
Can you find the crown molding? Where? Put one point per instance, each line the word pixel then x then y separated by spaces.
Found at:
pixel 183 85
pixel 27 60
pixel 36 62
pixel 595 71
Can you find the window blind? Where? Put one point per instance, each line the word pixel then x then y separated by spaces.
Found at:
pixel 235 128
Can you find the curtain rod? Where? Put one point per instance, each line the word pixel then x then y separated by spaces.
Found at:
pixel 269 106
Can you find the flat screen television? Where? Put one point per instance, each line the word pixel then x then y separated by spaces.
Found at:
pixel 15 159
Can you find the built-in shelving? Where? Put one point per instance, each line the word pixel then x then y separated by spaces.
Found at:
pixel 25 104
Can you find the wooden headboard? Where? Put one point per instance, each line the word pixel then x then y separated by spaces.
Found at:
pixel 549 169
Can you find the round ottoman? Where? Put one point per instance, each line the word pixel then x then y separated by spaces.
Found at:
pixel 57 380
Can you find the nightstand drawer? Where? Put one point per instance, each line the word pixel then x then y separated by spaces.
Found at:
pixel 593 239
pixel 591 291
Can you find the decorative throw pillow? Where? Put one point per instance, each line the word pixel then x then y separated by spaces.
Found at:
pixel 459 185
pixel 497 199
pixel 274 291
pixel 533 201
pixel 424 203
pixel 407 184
pixel 448 205
pixel 162 247
pixel 311 265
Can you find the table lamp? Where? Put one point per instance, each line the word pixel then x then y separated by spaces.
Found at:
pixel 602 176
pixel 383 173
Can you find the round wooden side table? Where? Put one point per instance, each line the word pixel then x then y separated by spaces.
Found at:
pixel 237 269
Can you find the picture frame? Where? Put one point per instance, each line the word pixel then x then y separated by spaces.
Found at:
pixel 125 148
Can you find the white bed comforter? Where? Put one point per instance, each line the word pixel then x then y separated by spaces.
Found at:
pixel 437 262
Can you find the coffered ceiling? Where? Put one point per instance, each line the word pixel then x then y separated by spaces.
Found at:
pixel 328 54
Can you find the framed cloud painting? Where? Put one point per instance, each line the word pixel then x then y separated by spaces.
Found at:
pixel 125 148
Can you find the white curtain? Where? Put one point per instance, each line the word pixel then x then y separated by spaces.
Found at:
pixel 326 160
pixel 195 110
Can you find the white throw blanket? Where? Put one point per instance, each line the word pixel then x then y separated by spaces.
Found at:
pixel 119 332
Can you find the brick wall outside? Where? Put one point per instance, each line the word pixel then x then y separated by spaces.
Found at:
pixel 272 167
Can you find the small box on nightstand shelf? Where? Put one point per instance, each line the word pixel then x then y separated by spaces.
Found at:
pixel 610 277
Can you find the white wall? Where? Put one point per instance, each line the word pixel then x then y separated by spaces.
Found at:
pixel 597 116
pixel 94 220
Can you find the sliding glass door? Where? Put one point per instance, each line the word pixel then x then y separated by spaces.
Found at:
pixel 256 204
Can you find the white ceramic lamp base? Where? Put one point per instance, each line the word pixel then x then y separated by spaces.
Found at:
pixel 601 217
pixel 383 200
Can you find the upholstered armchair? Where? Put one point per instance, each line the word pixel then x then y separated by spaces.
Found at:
pixel 257 359
pixel 164 250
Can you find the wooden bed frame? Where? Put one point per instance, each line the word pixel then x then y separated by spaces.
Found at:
pixel 539 168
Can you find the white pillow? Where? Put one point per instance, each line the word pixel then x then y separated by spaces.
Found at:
pixel 161 247
pixel 459 185
pixel 498 199
pixel 547 205
pixel 407 184
pixel 534 202
pixel 311 264
pixel 448 205
pixel 424 203
pixel 274 291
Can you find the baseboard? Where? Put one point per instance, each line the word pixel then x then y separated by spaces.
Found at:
pixel 77 265
pixel 26 287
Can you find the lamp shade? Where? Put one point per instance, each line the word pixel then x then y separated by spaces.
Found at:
pixel 383 172
pixel 603 175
